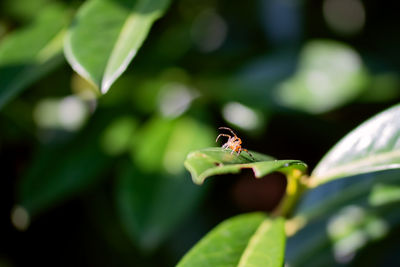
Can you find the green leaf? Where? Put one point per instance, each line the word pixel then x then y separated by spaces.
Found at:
pixel 154 193
pixel 329 75
pixel 30 53
pixel 328 198
pixel 340 218
pixel 251 239
pixel 340 235
pixel 150 206
pixel 106 35
pixel 60 172
pixel 162 143
pixel 216 161
pixel 343 217
pixel 23 10
pixel 373 146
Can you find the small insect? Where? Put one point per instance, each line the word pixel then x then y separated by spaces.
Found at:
pixel 234 142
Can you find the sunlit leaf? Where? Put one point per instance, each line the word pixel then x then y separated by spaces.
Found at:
pixel 216 161
pixel 329 75
pixel 29 53
pixel 251 239
pixel 373 146
pixel 150 206
pixel 106 35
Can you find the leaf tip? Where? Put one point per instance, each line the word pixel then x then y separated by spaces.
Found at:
pixel 105 87
pixel 191 171
pixel 74 62
pixel 111 74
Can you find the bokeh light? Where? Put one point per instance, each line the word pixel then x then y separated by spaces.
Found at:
pixel 68 113
pixel 329 75
pixel 241 116
pixel 282 20
pixel 20 218
pixel 175 98
pixel 118 136
pixel 344 16
pixel 209 31
pixel 351 228
pixel 382 194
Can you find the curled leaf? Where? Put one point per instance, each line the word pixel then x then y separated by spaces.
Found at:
pixel 216 161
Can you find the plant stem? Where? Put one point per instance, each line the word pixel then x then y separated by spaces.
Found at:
pixel 296 186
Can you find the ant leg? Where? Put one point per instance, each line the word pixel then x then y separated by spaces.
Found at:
pixel 226 135
pixel 225 146
pixel 239 151
pixel 249 153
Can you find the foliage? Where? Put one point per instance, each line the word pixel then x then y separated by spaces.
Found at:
pixel 251 239
pixel 365 150
pixel 124 24
pixel 212 161
pixel 94 148
pixel 373 146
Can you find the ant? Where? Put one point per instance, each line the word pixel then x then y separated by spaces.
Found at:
pixel 234 142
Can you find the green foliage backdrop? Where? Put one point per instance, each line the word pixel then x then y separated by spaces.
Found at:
pixel 109 110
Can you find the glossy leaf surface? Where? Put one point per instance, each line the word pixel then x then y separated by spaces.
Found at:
pixel 106 35
pixel 216 161
pixel 29 53
pixel 246 240
pixel 373 146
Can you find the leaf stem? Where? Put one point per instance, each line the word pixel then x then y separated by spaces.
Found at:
pixel 297 184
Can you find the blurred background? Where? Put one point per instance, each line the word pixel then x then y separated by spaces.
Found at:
pixel 99 181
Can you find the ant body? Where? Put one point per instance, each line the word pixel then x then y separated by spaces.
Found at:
pixel 234 142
